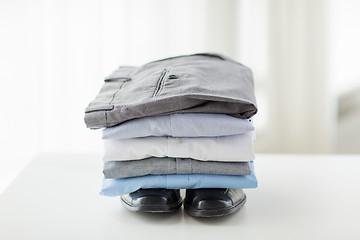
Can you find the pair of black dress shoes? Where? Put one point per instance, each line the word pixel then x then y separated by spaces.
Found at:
pixel 204 202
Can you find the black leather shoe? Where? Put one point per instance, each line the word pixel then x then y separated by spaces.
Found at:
pixel 153 200
pixel 213 202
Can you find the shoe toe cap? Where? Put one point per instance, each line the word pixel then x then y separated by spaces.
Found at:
pixel 208 204
pixel 151 197
pixel 203 199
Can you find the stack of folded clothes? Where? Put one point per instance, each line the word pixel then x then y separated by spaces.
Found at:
pixel 178 123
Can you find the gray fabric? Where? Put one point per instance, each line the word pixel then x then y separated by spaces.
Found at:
pixel 199 83
pixel 160 166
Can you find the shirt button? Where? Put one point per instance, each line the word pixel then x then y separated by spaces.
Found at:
pixel 178 140
pixel 172 77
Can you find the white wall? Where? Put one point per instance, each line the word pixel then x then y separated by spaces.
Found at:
pixel 20 78
pixel 344 72
pixel 344 38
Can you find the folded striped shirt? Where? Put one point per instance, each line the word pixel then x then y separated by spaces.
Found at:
pixel 166 165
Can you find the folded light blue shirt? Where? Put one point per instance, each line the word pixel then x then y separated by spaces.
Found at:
pixel 120 186
pixel 180 125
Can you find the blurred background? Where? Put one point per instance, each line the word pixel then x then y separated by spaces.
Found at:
pixel 54 55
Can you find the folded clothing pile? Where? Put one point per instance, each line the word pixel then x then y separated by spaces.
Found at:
pixel 177 123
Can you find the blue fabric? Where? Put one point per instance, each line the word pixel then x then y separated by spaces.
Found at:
pixel 180 125
pixel 120 186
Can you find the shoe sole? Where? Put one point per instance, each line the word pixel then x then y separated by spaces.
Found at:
pixel 215 212
pixel 153 208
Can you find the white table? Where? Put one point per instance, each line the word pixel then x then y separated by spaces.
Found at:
pixel 299 197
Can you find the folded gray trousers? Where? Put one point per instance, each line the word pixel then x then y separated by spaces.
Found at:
pixel 157 166
pixel 199 83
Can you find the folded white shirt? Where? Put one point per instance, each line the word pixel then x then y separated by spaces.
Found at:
pixel 228 148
